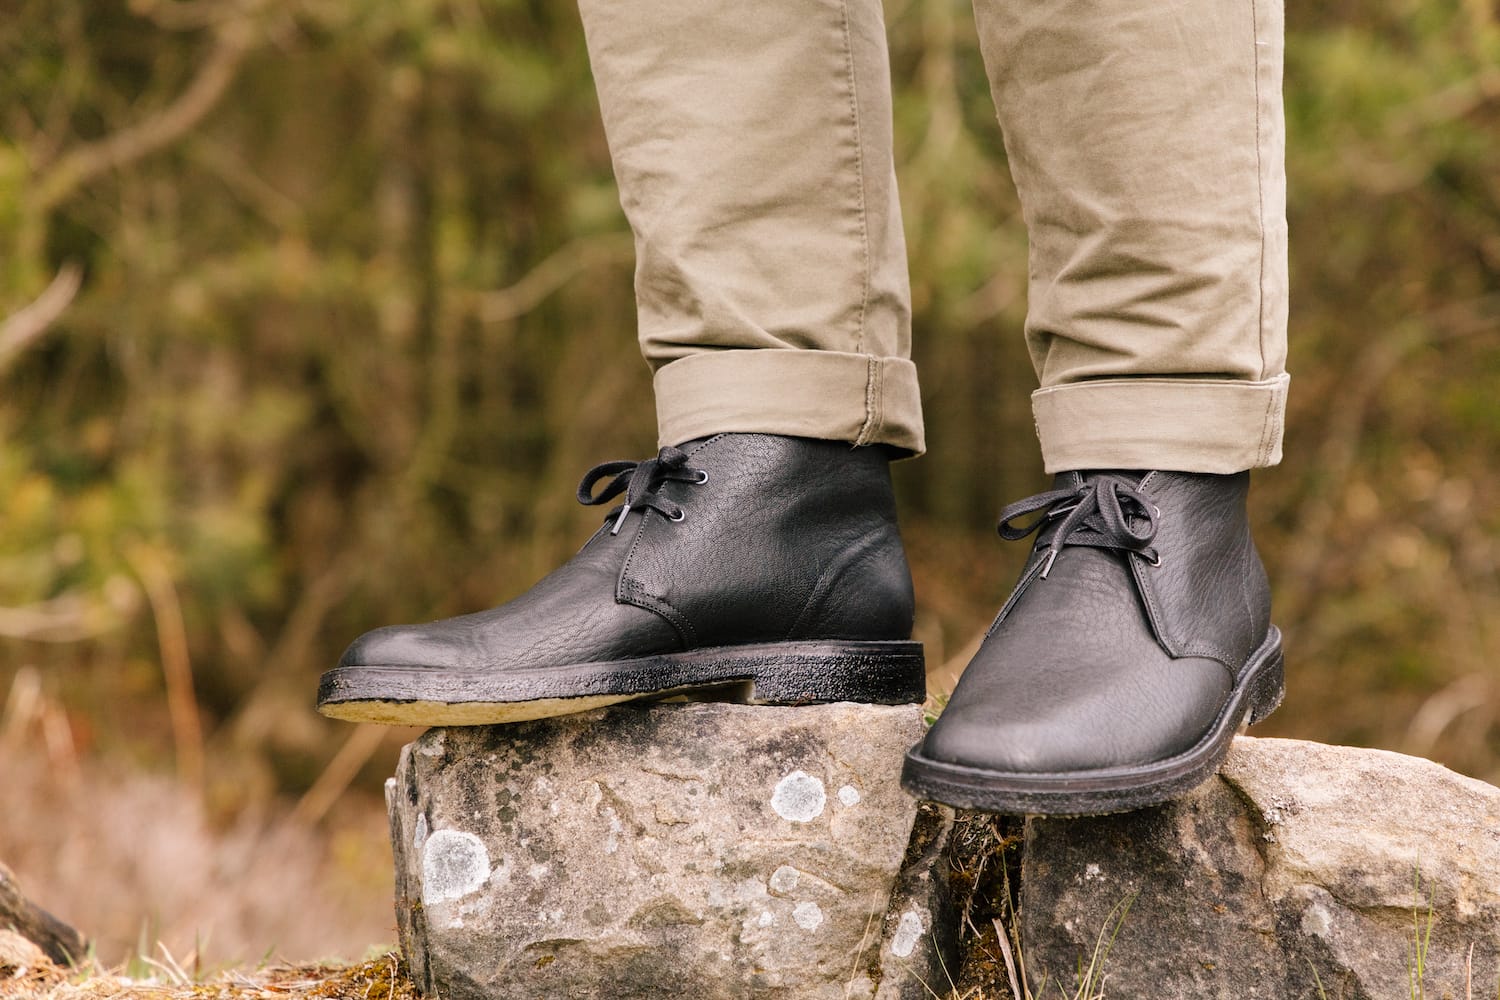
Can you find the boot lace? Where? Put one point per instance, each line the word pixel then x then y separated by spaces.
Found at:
pixel 1107 512
pixel 639 481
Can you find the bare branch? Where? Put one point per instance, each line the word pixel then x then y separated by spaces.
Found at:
pixel 1453 102
pixel 22 328
pixel 551 274
pixel 177 668
pixel 251 189
pixel 79 166
pixel 339 774
pixel 61 619
pixel 186 15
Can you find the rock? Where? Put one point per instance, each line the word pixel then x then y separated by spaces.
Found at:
pixel 58 941
pixel 17 952
pixel 919 946
pixel 1302 870
pixel 641 851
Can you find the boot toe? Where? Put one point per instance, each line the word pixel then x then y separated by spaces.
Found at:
pixel 1089 718
pixel 401 646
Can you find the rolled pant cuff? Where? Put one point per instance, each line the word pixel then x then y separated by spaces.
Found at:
pixel 1178 424
pixel 818 394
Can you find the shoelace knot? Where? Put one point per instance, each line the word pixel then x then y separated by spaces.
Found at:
pixel 1107 512
pixel 639 481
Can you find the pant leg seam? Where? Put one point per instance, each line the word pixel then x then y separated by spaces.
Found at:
pixel 1260 185
pixel 859 171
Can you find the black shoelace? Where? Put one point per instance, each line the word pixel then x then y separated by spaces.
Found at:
pixel 639 481
pixel 1106 513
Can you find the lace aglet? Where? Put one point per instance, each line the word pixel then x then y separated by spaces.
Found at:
pixel 1047 566
pixel 620 520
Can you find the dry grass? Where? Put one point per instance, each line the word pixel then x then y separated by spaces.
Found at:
pixel 383 978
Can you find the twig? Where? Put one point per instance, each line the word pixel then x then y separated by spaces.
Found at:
pixel 60 619
pixel 22 707
pixel 1010 962
pixel 24 326
pixel 1442 107
pixel 177 667
pixel 1433 717
pixel 551 274
pixel 339 774
pixel 306 618
pixel 79 166
pixel 250 188
pixel 859 952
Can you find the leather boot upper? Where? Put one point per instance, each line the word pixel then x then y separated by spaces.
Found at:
pixel 1141 602
pixel 748 538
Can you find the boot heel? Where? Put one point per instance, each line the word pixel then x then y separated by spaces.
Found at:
pixel 882 673
pixel 1270 688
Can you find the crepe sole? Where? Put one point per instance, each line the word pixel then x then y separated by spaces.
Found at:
pixel 776 673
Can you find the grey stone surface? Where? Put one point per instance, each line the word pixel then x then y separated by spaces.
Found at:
pixel 1296 868
pixel 706 849
pixel 919 946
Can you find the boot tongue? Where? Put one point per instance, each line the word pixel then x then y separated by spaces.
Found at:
pixel 1067 480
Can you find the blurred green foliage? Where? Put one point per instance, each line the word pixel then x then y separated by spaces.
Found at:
pixel 354 313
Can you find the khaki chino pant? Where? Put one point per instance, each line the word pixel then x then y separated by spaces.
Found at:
pixel 752 145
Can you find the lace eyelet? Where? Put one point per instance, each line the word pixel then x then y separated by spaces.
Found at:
pixel 1155 561
pixel 701 478
pixel 679 517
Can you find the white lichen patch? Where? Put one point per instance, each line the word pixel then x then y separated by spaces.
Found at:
pixel 1279 809
pixel 1317 922
pixel 849 795
pixel 1276 813
pixel 767 918
pixel 808 915
pixel 419 832
pixel 1092 872
pixel 784 879
pixel 909 931
pixel 454 864
pixel 799 797
pixel 434 746
pixel 612 838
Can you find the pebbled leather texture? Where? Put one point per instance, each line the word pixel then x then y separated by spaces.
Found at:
pixel 789 538
pixel 1110 661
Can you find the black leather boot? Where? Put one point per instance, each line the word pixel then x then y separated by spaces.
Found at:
pixel 753 567
pixel 1137 642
